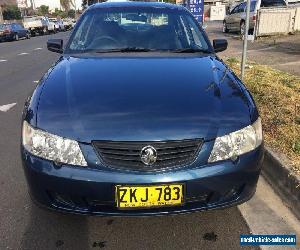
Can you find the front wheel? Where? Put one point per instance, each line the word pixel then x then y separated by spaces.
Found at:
pixel 27 36
pixel 16 37
pixel 225 29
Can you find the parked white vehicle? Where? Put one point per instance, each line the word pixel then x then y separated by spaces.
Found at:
pixel 51 26
pixel 54 20
pixel 73 23
pixel 35 24
pixel 68 23
pixel 61 25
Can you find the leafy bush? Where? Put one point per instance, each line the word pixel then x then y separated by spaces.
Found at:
pixel 43 10
pixel 71 13
pixel 11 12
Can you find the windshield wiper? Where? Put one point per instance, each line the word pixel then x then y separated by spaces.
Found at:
pixel 127 49
pixel 136 49
pixel 190 50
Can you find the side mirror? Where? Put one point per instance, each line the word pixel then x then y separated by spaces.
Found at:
pixel 55 45
pixel 220 45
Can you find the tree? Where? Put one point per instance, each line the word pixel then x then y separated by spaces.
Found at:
pixel 67 4
pixel 84 4
pixel 11 12
pixel 43 10
pixel 71 13
pixel 59 13
pixel 1 15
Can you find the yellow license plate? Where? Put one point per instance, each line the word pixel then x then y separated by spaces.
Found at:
pixel 149 196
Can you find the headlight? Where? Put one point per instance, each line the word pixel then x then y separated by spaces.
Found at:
pixel 51 147
pixel 237 143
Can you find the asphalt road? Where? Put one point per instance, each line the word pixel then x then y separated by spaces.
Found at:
pixel 25 226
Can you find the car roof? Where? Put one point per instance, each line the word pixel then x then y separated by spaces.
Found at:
pixel 136 4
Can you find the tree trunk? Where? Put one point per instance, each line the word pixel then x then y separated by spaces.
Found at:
pixel 1 15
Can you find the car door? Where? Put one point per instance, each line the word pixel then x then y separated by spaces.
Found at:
pixel 17 30
pixel 14 29
pixel 231 17
pixel 239 15
pixel 23 31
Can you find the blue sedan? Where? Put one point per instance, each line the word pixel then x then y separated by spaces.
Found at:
pixel 13 32
pixel 139 116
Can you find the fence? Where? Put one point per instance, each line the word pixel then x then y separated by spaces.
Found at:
pixel 271 21
pixel 297 20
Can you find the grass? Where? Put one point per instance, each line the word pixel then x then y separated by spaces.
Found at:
pixel 277 95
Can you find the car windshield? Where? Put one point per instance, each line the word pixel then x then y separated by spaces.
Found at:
pixel 137 29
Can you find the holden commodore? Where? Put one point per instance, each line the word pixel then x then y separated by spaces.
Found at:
pixel 139 116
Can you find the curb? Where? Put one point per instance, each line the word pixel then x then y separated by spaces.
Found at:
pixel 285 183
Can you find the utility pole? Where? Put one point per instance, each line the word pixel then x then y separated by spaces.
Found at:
pixel 244 56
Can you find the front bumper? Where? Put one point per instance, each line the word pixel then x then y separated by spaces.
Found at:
pixel 91 191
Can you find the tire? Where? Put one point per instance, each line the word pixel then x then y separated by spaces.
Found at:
pixel 16 37
pixel 225 29
pixel 27 36
pixel 242 28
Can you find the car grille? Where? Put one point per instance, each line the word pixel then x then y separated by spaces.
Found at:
pixel 126 155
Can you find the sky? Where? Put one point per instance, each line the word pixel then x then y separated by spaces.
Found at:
pixel 54 3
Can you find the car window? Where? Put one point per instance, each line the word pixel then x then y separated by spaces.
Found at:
pixel 235 10
pixel 29 19
pixel 242 7
pixel 148 28
pixel 271 3
pixel 252 6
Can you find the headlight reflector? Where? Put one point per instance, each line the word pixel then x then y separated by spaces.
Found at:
pixel 237 143
pixel 51 147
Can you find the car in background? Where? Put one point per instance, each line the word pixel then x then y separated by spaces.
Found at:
pixel 61 25
pixel 67 23
pixel 51 26
pixel 13 32
pixel 54 20
pixel 73 23
pixel 235 20
pixel 36 25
